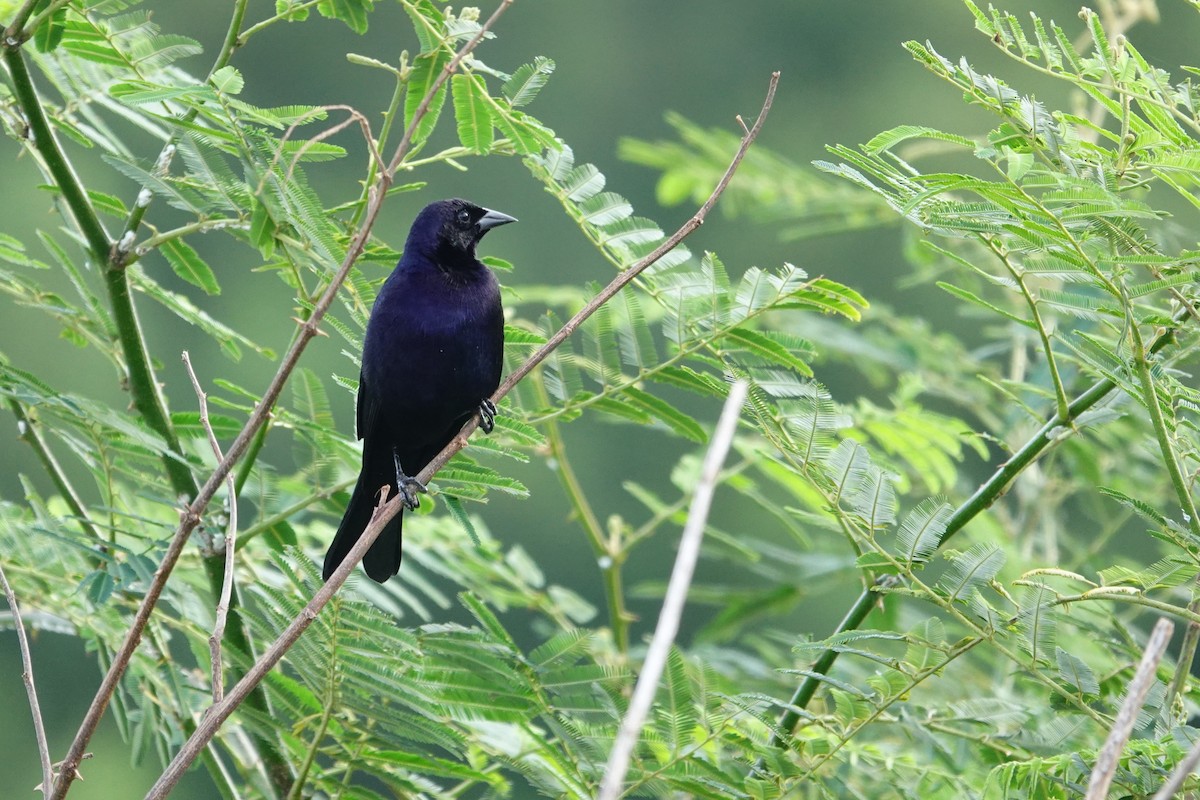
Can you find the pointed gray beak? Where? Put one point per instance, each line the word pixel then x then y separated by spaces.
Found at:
pixel 492 219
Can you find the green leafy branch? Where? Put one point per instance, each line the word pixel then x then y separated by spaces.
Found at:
pixel 219 712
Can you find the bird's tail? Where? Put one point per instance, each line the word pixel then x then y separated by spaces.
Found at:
pixel 383 559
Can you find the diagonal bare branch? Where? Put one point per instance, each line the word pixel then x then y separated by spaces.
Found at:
pixel 217 714
pixel 191 515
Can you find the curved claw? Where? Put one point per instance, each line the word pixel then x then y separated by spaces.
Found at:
pixel 487 415
pixel 409 487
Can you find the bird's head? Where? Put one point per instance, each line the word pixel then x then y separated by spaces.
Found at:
pixel 448 230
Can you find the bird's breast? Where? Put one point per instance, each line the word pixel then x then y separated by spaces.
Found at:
pixel 434 347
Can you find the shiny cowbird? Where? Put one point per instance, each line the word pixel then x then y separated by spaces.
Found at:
pixel 431 358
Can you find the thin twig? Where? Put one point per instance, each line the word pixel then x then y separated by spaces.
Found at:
pixel 39 730
pixel 423 107
pixel 222 613
pixel 607 551
pixel 190 517
pixel 13 32
pixel 677 589
pixel 628 275
pixel 356 116
pixel 385 511
pixel 1139 687
pixel 27 431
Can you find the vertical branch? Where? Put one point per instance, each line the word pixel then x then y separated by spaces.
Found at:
pixel 1158 421
pixel 608 556
pixel 222 612
pixel 1178 480
pixel 143 385
pixel 1187 652
pixel 677 589
pixel 39 730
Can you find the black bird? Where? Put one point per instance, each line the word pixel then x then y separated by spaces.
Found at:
pixel 431 358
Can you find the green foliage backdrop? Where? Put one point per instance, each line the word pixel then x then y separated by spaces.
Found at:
pixel 996 503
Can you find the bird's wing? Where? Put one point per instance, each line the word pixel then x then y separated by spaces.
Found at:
pixel 365 408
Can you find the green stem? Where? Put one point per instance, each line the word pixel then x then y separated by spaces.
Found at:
pixel 977 503
pixel 608 553
pixel 1187 649
pixel 247 466
pixel 1133 598
pixel 241 40
pixel 447 155
pixel 232 39
pixel 1060 393
pixel 143 385
pixel 389 118
pixel 28 431
pixel 995 486
pixel 808 687
pixel 330 703
pixel 1187 653
pixel 311 756
pixel 260 527
pixel 1154 407
pixel 56 163
pixel 158 239
pixel 43 15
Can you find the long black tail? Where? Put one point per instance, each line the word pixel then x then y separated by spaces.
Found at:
pixel 383 559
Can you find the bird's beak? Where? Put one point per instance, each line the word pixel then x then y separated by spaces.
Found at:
pixel 492 219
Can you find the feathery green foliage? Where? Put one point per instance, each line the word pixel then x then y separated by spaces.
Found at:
pixel 993 669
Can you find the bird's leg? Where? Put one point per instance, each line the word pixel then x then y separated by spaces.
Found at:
pixel 409 487
pixel 487 415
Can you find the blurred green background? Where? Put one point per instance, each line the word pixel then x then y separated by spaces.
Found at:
pixel 620 66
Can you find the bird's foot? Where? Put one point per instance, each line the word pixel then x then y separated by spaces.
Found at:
pixel 409 488
pixel 487 415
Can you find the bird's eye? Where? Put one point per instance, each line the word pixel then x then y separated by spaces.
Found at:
pixel 464 216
